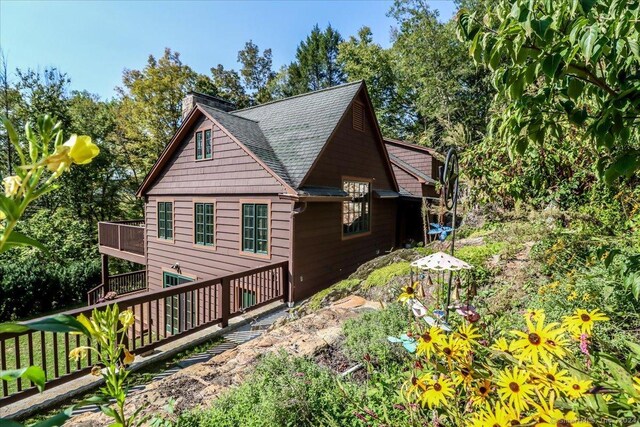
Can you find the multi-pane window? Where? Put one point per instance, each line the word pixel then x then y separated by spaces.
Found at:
pixel 198 145
pixel 356 213
pixel 255 228
pixel 165 220
pixel 208 152
pixel 204 149
pixel 204 231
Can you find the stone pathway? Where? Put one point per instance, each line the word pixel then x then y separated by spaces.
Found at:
pixel 201 382
pixel 240 336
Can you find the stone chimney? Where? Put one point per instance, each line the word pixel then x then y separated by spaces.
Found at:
pixel 193 98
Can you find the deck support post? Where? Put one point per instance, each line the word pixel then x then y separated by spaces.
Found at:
pixel 105 271
pixel 225 299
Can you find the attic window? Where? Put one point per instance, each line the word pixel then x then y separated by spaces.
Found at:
pixel 358 116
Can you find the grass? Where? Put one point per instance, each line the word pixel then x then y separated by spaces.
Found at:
pixel 383 275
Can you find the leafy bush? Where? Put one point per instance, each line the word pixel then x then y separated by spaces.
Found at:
pixel 282 391
pixel 367 335
pixel 33 287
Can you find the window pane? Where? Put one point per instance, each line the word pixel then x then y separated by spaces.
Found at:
pixel 248 224
pixel 207 144
pixel 168 220
pixel 161 224
pixel 356 212
pixel 208 224
pixel 198 145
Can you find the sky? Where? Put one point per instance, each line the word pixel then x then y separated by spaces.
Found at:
pixel 94 41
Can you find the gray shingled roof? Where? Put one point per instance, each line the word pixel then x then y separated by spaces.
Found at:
pixel 289 134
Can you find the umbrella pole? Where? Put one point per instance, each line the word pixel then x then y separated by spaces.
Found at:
pixel 453 244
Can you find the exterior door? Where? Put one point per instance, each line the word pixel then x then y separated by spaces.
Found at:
pixel 180 310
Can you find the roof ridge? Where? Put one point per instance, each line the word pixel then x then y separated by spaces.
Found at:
pixel 225 112
pixel 341 85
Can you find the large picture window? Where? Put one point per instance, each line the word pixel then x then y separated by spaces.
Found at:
pixel 165 220
pixel 204 224
pixel 255 228
pixel 356 213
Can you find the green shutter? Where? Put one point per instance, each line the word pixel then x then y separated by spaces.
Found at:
pixel 207 144
pixel 208 224
pixel 198 145
pixel 248 228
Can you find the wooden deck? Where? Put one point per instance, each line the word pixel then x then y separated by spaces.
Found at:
pixel 123 239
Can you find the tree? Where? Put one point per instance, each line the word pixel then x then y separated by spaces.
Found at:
pixel 230 86
pixel 256 71
pixel 362 59
pixel 558 63
pixel 437 84
pixel 149 112
pixel 316 65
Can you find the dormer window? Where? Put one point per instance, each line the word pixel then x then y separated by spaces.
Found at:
pixel 204 148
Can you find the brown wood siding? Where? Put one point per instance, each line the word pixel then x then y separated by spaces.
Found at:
pixel 321 256
pixel 231 171
pixel 205 262
pixel 352 153
pixel 408 182
pixel 416 158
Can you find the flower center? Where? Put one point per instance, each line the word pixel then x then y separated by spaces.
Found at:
pixel 550 377
pixel 465 372
pixel 563 423
pixel 409 290
pixel 447 351
pixel 514 387
pixel 414 380
pixel 576 387
pixel 551 343
pixel 515 422
pixel 437 387
pixel 534 338
pixel 482 389
pixel 426 337
pixel 585 317
pixel 463 336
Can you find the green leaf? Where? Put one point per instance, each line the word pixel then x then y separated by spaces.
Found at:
pixel 624 165
pixel 588 42
pixel 551 64
pixel 18 239
pixel 587 5
pixel 574 89
pixel 58 323
pixel 632 282
pixel 541 26
pixel 12 328
pixel 622 378
pixel 5 422
pixel 634 347
pixel 57 420
pixel 578 117
pixel 34 374
pixel 516 88
pixel 521 145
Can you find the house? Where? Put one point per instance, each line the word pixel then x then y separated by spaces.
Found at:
pixel 307 179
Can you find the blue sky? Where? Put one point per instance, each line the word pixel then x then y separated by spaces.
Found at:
pixel 94 41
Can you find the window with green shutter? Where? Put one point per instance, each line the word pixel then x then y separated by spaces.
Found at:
pixel 208 148
pixel 204 224
pixel 255 228
pixel 165 220
pixel 198 145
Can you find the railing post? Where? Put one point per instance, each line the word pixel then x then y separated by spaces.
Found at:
pixel 225 299
pixel 105 271
pixel 286 295
pixel 119 237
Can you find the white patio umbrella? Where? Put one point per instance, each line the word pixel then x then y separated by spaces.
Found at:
pixel 441 261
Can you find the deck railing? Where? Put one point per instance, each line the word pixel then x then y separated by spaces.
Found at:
pixel 121 284
pixel 161 316
pixel 125 236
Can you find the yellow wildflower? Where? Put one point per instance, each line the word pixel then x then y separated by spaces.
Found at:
pixel 408 292
pixel 539 341
pixel 494 417
pixel 467 335
pixel 78 353
pixel 535 314
pixel 481 393
pixel 513 387
pixel 575 388
pixel 437 392
pixel 59 160
pixel 452 349
pixel 429 340
pixel 501 344
pixel 12 185
pixel 573 296
pixel 549 377
pixel 636 388
pixel 81 149
pixel 462 375
pixel 126 318
pixel 128 357
pixel 417 387
pixel 582 321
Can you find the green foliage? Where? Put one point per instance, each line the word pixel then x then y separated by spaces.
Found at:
pixel 282 391
pixel 383 275
pixel 563 67
pixel 366 335
pixel 479 255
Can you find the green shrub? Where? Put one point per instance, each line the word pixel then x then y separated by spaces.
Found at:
pixel 367 335
pixel 282 391
pixel 383 275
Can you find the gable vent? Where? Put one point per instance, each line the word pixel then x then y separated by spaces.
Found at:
pixel 358 116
